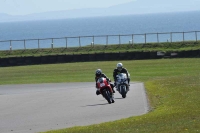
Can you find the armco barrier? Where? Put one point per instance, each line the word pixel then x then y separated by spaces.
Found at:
pixel 192 53
pixel 52 59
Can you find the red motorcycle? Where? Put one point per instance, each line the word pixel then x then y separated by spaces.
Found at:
pixel 105 89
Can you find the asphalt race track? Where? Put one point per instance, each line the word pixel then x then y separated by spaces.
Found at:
pixel 42 107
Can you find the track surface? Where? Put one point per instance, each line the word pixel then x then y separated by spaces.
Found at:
pixel 43 107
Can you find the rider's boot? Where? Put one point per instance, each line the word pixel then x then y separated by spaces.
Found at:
pixel 115 85
pixel 112 94
pixel 97 92
pixel 128 86
pixel 112 86
pixel 112 97
pixel 113 100
pixel 117 89
pixel 128 81
pixel 113 90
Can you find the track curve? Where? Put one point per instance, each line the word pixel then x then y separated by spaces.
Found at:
pixel 42 107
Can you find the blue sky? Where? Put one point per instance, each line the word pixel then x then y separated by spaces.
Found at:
pixel 23 7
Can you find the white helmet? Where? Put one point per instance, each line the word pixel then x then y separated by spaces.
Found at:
pixel 119 66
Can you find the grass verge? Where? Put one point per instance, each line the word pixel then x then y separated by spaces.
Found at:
pixel 172 86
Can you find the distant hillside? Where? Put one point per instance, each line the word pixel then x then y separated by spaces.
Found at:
pixel 156 6
pixel 134 7
pixel 159 4
pixel 4 16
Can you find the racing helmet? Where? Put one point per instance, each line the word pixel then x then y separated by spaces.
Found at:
pixel 98 72
pixel 119 66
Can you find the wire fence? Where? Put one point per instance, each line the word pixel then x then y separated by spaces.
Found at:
pixel 80 41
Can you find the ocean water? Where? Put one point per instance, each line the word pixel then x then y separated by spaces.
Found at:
pixel 120 29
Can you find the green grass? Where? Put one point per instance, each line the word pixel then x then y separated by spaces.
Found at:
pixel 114 48
pixel 173 88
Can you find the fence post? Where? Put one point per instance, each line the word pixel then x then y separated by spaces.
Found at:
pixel 171 36
pixel 183 37
pixel 52 43
pixel 196 35
pixel 157 38
pixel 132 39
pixel 79 41
pixel 92 44
pixel 66 41
pixel 119 40
pixel 145 38
pixel 10 45
pixel 24 45
pixel 38 43
pixel 93 40
pixel 107 40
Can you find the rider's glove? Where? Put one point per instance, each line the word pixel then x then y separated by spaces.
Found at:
pixel 108 79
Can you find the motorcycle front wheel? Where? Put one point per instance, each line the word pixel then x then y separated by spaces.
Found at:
pixel 123 91
pixel 107 96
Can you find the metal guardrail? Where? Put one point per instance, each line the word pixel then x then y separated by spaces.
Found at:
pixel 80 41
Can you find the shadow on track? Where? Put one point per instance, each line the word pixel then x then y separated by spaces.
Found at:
pixel 119 98
pixel 96 104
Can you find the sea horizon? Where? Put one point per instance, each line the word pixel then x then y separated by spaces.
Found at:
pixel 97 26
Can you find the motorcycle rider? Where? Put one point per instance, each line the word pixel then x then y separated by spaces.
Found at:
pixel 120 69
pixel 99 74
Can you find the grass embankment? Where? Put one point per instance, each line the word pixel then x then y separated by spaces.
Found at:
pixel 164 47
pixel 172 86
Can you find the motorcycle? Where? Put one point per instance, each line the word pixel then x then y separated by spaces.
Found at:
pixel 122 84
pixel 105 89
